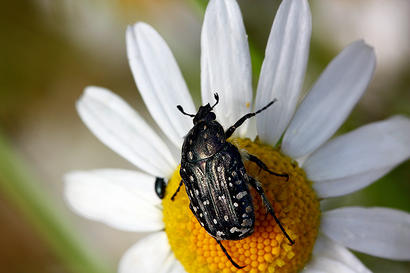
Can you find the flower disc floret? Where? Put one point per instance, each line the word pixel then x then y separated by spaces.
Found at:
pixel 267 249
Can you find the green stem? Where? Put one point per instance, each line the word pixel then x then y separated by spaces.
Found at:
pixel 20 186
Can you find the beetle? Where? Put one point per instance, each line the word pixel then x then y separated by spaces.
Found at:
pixel 216 180
pixel 160 187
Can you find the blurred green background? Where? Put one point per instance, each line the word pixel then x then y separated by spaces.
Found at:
pixel 51 49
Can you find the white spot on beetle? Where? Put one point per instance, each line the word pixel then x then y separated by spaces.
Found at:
pixel 202 224
pixel 246 222
pixel 230 184
pixel 215 222
pixel 248 209
pixel 235 204
pixel 195 208
pixel 191 178
pixel 200 215
pixel 238 182
pixel 219 233
pixel 244 231
pixel 196 192
pixel 190 156
pixel 241 194
pixel 226 217
pixel 234 229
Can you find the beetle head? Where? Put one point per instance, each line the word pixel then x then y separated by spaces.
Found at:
pixel 204 113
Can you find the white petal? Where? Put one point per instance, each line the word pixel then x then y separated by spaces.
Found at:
pixel 326 248
pixel 354 160
pixel 160 81
pixel 346 185
pixel 176 266
pixel 151 254
pixel 119 127
pixel 320 264
pixel 120 198
pixel 379 232
pixel 330 101
pixel 283 68
pixel 225 62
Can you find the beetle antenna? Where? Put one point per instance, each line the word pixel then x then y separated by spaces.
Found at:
pixel 183 112
pixel 216 96
pixel 232 129
pixel 266 106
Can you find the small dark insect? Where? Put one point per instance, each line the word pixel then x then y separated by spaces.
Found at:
pixel 216 180
pixel 160 186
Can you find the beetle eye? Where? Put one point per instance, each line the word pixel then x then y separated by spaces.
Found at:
pixel 212 116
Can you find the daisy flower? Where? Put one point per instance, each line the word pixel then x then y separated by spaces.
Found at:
pixel 319 166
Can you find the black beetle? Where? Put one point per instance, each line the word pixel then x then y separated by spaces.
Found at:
pixel 216 180
pixel 160 187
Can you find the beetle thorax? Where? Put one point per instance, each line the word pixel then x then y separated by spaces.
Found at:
pixel 203 141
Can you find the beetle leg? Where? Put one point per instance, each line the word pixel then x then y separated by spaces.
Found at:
pixel 228 256
pixel 255 184
pixel 263 165
pixel 175 194
pixel 232 129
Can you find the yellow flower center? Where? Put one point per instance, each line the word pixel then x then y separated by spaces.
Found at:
pixel 267 249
